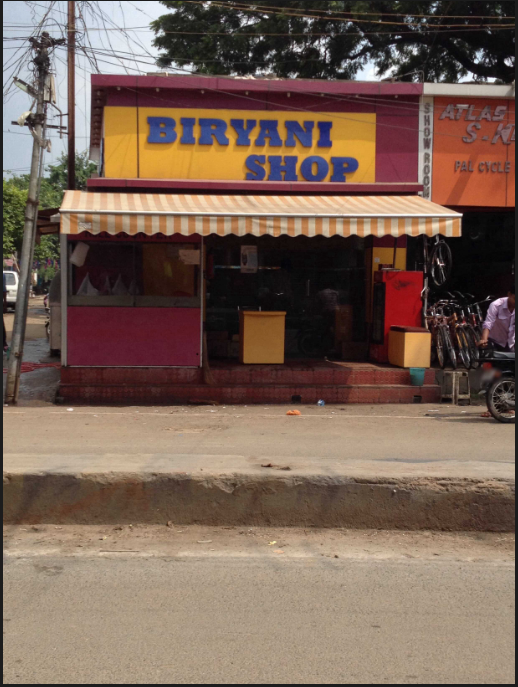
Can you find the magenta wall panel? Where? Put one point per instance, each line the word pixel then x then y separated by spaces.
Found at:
pixel 133 337
pixel 397 146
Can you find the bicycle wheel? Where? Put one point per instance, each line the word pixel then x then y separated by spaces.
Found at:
pixel 441 262
pixel 463 347
pixel 440 348
pixel 310 344
pixel 448 344
pixel 425 253
pixel 474 351
pixel 501 400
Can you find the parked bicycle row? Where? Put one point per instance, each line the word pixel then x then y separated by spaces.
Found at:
pixel 455 321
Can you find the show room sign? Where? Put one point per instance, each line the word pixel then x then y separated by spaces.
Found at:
pixel 474 152
pixel 252 145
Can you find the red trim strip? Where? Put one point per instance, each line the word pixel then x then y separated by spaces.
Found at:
pixel 282 188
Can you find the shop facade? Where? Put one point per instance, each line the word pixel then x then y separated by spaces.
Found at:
pixel 467 163
pixel 222 196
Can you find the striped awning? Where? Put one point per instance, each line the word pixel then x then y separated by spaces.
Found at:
pixel 133 213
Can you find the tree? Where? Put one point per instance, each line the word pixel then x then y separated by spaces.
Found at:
pixel 57 177
pixel 14 200
pixel 409 40
pixel 53 187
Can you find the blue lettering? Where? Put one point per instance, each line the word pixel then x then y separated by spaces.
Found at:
pixel 269 130
pixel 188 130
pixel 243 133
pixel 213 128
pixel 253 164
pixel 325 135
pixel 295 130
pixel 343 165
pixel 161 130
pixel 289 168
pixel 306 168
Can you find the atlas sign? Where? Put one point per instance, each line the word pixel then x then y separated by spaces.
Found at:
pixel 504 132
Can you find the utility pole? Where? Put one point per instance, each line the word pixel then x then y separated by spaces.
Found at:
pixel 36 123
pixel 71 34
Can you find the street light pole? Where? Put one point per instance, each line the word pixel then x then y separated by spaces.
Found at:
pixel 71 35
pixel 37 123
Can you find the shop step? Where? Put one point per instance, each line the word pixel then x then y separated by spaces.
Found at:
pixel 248 394
pixel 242 375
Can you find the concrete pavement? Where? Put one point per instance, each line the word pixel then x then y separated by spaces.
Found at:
pixel 200 606
pixel 384 466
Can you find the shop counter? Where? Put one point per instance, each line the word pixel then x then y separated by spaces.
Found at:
pixel 134 337
pixel 262 337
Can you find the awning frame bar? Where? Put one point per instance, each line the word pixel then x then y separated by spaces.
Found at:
pixel 265 215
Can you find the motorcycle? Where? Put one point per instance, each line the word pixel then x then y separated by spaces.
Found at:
pixel 500 374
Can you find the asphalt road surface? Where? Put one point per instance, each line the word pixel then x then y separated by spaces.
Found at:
pixel 197 606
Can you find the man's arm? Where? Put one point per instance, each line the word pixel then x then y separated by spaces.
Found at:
pixel 489 323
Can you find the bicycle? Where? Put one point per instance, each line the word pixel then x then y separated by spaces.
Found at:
pixel 469 322
pixel 442 345
pixel 437 261
pixel 463 320
pixel 457 334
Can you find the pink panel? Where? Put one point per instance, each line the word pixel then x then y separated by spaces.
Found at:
pixel 397 148
pixel 133 337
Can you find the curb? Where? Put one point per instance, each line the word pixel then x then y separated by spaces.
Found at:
pixel 239 500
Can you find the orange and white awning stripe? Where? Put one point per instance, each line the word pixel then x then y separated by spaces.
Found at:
pixel 133 213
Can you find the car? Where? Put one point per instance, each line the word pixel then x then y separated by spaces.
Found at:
pixel 11 281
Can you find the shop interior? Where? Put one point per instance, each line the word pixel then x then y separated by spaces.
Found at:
pixel 483 257
pixel 134 272
pixel 322 286
pixel 320 283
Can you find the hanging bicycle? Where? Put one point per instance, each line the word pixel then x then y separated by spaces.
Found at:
pixel 437 260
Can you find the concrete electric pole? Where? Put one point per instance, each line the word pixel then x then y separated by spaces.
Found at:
pixel 36 123
pixel 71 34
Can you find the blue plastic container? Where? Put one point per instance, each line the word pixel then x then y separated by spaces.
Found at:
pixel 417 376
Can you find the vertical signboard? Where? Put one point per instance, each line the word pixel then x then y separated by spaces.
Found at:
pixel 426 146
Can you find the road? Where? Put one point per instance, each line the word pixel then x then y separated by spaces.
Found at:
pixel 200 606
pixel 333 435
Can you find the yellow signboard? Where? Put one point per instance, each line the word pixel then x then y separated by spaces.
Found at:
pixel 239 145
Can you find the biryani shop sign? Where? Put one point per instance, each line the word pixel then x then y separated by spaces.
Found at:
pixel 260 146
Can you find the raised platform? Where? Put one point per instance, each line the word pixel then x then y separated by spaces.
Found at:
pixel 296 381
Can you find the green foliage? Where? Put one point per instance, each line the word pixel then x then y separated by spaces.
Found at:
pixel 53 187
pixel 57 174
pixel 14 200
pixel 268 43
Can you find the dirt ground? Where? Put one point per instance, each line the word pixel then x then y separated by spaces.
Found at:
pixel 177 541
pixel 35 321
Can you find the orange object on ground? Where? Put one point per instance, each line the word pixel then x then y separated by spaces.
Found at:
pixel 293 412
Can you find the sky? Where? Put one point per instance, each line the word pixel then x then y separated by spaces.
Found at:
pixel 20 18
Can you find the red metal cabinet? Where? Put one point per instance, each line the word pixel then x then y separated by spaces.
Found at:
pixel 397 301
